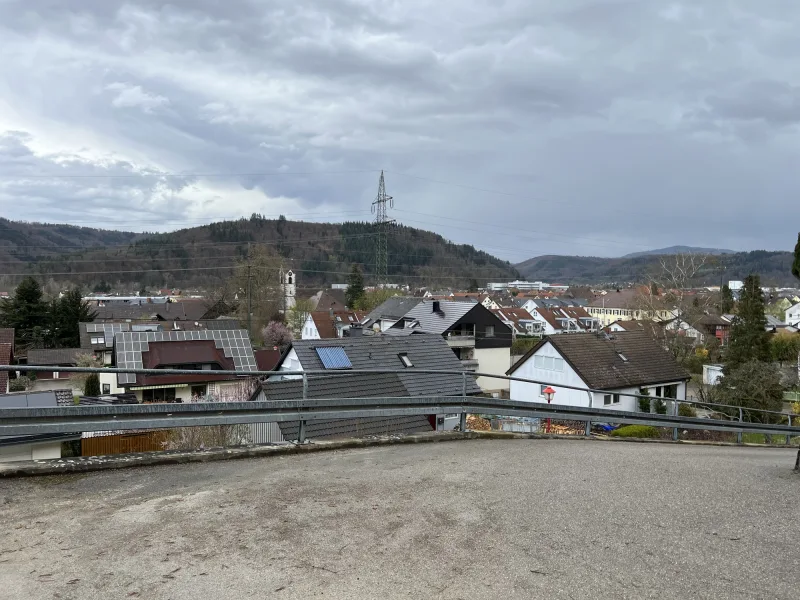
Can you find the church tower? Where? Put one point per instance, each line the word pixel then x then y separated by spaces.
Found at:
pixel 288 287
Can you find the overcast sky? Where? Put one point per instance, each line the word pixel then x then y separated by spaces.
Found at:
pixel 524 127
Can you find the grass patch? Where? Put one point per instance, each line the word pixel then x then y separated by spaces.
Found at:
pixel 760 438
pixel 636 431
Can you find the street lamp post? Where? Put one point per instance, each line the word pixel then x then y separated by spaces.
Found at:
pixel 548 394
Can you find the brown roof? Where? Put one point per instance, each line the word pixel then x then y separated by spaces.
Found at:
pixel 513 315
pixel 6 354
pixel 331 299
pixel 613 299
pixel 651 328
pixel 267 359
pixel 598 360
pixel 326 324
pixel 551 315
pixel 179 354
pixel 7 336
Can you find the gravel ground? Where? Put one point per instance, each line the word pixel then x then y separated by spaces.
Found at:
pixel 472 519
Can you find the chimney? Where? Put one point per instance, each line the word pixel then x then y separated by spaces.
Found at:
pixel 436 306
pixel 356 330
pixel 330 313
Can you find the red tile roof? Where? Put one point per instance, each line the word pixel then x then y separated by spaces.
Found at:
pixel 326 323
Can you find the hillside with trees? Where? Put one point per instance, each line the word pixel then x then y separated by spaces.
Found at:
pixel 773 267
pixel 320 253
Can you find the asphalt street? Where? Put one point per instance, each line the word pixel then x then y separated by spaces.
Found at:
pixel 472 519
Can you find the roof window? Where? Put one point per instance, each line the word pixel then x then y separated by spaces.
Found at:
pixel 622 356
pixel 405 360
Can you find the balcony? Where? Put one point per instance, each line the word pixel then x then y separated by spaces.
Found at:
pixel 457 339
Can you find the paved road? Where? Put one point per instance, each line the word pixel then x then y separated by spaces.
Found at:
pixel 474 519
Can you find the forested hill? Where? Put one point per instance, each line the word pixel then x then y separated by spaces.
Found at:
pixel 773 267
pixel 320 253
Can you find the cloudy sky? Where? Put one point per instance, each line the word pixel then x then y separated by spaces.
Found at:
pixel 524 127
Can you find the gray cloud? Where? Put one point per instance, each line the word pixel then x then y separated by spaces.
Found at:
pixel 585 127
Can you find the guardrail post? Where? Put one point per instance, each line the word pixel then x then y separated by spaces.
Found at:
pixel 788 436
pixel 739 435
pixel 675 414
pixel 462 421
pixel 305 386
pixel 588 430
pixel 301 433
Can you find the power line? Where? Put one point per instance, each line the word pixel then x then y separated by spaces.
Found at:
pixel 166 175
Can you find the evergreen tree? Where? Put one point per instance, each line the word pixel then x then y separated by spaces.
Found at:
pixel 25 312
pixel 726 300
pixel 796 262
pixel 473 286
pixel 749 339
pixel 355 287
pixel 70 310
pixel 92 385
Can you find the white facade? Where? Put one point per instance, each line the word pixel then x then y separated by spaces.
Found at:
pixel 522 286
pixel 548 366
pixel 310 331
pixel 495 361
pixel 222 390
pixel 712 374
pixel 40 451
pixel 793 315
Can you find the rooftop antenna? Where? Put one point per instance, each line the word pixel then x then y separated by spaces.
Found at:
pixel 382 222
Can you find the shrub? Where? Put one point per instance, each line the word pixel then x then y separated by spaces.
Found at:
pixel 644 403
pixel 635 431
pixel 92 385
pixel 661 408
pixel 686 410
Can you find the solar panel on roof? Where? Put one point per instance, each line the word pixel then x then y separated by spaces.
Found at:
pixel 334 357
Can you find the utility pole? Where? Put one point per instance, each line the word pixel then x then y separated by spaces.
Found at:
pixel 381 224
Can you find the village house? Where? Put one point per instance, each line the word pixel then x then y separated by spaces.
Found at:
pixel 566 319
pixel 520 321
pixel 192 350
pixel 793 315
pixel 610 364
pixel 627 304
pixel 6 357
pixel 474 333
pixel 330 324
pixel 40 446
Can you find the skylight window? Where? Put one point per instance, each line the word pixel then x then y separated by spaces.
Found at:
pixel 405 360
pixel 622 356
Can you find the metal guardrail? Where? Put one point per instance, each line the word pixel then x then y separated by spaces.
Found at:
pixel 29 421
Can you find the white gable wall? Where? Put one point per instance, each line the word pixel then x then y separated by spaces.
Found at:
pixel 793 315
pixel 310 331
pixel 531 392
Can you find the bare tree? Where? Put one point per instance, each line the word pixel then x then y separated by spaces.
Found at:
pixel 668 298
pixel 256 281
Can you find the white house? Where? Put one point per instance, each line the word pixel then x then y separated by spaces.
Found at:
pixel 793 315
pixel 330 324
pixel 612 365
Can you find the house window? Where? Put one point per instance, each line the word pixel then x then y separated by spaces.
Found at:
pixel 609 399
pixel 106 388
pixel 199 391
pixel 98 340
pixel 542 388
pixel 55 374
pixel 159 395
pixel 405 360
pixel 489 331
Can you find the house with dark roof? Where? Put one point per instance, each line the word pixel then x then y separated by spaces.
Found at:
pixel 58 357
pixel 330 324
pixel 474 333
pixel 40 446
pixel 612 364
pixel 334 359
pixel 198 351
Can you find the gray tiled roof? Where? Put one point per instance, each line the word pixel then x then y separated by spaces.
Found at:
pixel 59 356
pixel 88 331
pixel 355 385
pixel 395 307
pixel 426 351
pixel 597 359
pixel 448 314
pixel 128 347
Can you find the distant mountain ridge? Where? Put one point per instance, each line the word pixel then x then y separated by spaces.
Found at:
pixel 680 250
pixel 773 267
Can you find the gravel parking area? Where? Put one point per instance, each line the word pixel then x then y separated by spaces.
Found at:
pixel 472 519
